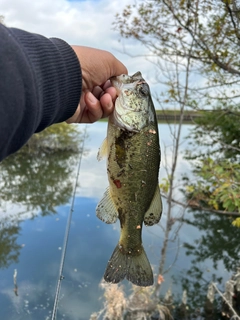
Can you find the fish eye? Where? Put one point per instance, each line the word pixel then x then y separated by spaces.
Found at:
pixel 143 89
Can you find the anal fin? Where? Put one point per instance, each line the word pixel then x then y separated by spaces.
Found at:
pixel 154 212
pixel 106 210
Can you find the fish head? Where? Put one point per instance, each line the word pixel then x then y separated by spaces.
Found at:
pixel 133 106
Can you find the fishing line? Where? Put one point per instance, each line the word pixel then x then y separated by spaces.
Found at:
pixel 61 277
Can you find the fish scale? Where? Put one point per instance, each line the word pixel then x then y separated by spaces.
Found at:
pixel 133 197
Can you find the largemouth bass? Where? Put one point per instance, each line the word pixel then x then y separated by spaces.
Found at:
pixel 133 196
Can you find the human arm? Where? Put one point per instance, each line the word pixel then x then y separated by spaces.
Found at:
pixel 41 84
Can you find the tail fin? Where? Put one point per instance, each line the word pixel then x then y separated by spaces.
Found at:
pixel 136 268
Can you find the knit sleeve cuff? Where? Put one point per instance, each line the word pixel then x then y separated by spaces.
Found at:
pixel 57 76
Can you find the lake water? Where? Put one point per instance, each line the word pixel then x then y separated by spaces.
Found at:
pixel 35 203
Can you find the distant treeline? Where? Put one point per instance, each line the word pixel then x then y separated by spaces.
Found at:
pixel 173 116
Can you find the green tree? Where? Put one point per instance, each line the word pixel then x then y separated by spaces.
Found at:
pixel 208 32
pixel 200 41
pixel 222 126
pixel 215 186
pixel 39 174
pixel 209 28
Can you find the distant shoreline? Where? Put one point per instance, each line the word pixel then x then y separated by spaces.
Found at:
pixel 173 116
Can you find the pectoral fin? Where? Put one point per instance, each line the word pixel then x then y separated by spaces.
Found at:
pixel 153 214
pixel 106 210
pixel 102 152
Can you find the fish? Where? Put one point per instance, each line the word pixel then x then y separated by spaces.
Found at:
pixel 133 195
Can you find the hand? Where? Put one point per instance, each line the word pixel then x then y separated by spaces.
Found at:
pixel 98 96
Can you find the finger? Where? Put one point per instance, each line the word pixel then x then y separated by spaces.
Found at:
pixel 112 91
pixel 106 85
pixel 93 110
pixel 107 104
pixel 96 109
pixel 97 92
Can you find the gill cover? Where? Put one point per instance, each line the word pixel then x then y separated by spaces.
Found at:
pixel 132 107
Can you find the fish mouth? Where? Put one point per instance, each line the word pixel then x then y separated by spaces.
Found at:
pixel 116 84
pixel 120 81
pixel 129 82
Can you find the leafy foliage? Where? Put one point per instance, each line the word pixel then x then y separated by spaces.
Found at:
pixel 215 247
pixel 194 47
pixel 236 222
pixel 218 132
pixel 217 185
pixel 208 33
pixel 168 27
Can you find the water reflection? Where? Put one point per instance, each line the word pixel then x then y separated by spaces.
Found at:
pixel 9 249
pixel 218 242
pixel 202 247
pixel 40 182
pixel 214 255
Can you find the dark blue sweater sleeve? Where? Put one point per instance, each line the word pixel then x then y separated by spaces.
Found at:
pixel 40 84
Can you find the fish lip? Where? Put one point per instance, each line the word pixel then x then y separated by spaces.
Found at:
pixel 122 81
pixel 127 81
pixel 117 84
pixel 125 78
pixel 121 78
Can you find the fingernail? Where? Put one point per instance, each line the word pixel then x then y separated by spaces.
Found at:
pixel 109 105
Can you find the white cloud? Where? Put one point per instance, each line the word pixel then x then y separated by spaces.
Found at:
pixel 86 23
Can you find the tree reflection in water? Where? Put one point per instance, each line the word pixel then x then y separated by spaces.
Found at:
pixel 39 182
pixel 9 249
pixel 219 244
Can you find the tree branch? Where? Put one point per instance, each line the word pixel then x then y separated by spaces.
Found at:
pixel 232 19
pixel 202 44
pixel 197 206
